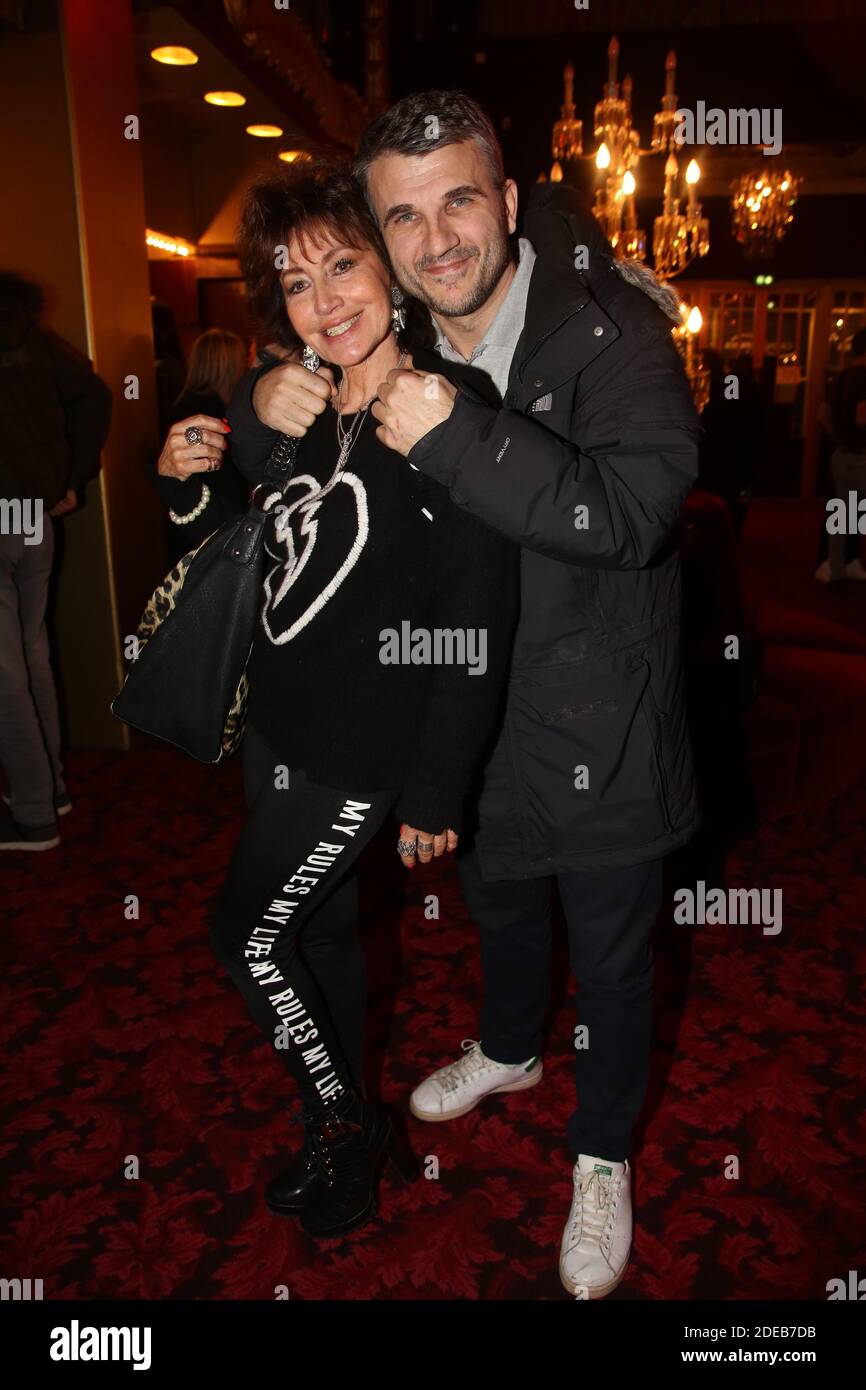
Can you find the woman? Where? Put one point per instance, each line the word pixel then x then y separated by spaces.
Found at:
pixel 198 506
pixel 367 565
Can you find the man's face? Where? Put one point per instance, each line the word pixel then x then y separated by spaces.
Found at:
pixel 445 224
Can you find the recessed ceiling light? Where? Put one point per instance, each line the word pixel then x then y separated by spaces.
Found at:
pixel 225 98
pixel 266 132
pixel 174 56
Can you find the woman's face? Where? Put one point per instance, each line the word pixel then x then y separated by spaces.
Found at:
pixel 338 298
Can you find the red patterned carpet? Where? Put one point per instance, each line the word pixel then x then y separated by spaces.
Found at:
pixel 124 1038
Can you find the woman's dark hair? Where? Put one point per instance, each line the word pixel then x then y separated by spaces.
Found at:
pixel 304 199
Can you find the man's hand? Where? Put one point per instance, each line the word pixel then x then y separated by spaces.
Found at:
pixel 180 460
pixel 438 844
pixel 288 398
pixel 66 504
pixel 410 405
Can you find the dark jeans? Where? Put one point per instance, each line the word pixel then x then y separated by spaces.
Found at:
pixel 610 914
pixel 286 925
pixel 29 722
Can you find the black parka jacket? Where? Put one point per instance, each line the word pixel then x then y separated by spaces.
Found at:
pixel 586 465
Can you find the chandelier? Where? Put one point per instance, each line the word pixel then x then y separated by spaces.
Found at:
pixel 618 153
pixel 761 210
pixel 685 338
pixel 567 132
pixel 678 237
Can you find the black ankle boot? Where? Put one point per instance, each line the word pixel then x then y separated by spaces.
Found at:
pixel 299 1184
pixel 350 1139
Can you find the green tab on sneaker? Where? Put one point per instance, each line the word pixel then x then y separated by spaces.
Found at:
pixel 530 1064
pixel 600 1168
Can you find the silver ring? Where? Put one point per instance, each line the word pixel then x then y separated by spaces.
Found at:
pixel 212 466
pixel 425 846
pixel 193 435
pixel 406 847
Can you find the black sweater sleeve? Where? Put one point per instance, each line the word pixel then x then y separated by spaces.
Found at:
pixel 476 592
pixel 252 441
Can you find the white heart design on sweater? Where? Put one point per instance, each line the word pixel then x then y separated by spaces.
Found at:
pixel 297 530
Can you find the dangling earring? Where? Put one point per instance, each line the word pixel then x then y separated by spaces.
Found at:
pixel 398 313
pixel 310 359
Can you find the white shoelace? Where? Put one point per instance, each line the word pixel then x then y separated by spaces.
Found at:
pixel 472 1063
pixel 594 1209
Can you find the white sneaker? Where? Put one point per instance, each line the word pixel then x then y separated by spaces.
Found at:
pixel 854 570
pixel 597 1238
pixel 457 1088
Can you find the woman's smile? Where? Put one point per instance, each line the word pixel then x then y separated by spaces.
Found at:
pixel 345 326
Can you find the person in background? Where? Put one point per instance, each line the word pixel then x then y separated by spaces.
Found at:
pixel 54 418
pixel 198 506
pixel 730 446
pixel 847 418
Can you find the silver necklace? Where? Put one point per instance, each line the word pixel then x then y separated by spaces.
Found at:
pixel 346 436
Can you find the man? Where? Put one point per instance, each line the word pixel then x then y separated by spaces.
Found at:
pixel 583 455
pixel 847 421
pixel 54 415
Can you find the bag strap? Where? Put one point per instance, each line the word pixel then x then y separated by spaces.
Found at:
pixel 279 466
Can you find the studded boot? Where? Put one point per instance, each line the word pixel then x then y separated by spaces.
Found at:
pixel 299 1184
pixel 350 1140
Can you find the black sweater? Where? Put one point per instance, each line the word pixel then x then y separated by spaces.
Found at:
pixel 358 578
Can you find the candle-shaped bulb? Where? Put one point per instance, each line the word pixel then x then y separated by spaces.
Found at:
pixel 695 320
pixel 693 172
pixel 602 158
pixel 670 72
pixel 612 56
pixel 628 183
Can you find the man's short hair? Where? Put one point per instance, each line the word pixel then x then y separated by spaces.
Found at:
pixel 426 121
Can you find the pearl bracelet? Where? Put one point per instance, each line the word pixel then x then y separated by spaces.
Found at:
pixel 196 511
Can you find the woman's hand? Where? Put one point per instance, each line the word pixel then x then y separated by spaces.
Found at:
pixel 288 398
pixel 428 846
pixel 180 460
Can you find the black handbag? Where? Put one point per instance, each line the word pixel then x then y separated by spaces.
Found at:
pixel 187 683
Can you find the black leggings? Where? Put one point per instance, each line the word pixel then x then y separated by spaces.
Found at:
pixel 289 885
